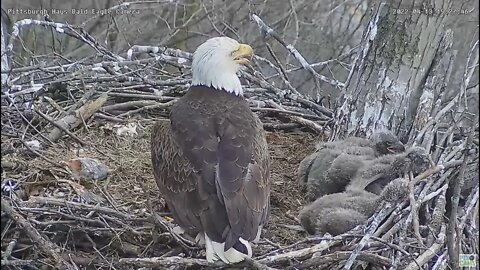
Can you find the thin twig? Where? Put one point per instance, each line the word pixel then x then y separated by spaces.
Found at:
pixel 46 246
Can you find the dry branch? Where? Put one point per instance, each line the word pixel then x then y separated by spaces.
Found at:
pixel 377 219
pixel 8 251
pixel 82 206
pixel 302 121
pixel 300 253
pixel 73 120
pixel 17 262
pixel 190 262
pixel 268 31
pixel 453 239
pixel 335 257
pixel 57 125
pixel 46 246
pixel 425 257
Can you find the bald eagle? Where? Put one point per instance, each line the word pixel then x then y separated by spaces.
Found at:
pixel 211 161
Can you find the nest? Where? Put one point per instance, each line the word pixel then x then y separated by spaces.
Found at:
pixel 103 107
pixel 94 224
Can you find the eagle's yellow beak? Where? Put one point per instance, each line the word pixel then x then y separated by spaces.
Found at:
pixel 243 54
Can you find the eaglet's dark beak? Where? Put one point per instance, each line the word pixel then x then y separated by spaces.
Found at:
pixel 396 148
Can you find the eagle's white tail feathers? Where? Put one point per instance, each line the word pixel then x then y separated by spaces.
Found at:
pixel 259 232
pixel 215 251
pixel 200 239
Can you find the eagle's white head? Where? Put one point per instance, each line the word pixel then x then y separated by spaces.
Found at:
pixel 217 61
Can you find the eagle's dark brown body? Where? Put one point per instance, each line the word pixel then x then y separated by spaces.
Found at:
pixel 211 163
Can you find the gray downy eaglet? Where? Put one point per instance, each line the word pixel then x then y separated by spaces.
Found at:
pixel 331 168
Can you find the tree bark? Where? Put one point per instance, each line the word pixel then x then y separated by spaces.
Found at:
pixel 5 60
pixel 399 71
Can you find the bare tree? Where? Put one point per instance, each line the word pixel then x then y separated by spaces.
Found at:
pixel 399 70
pixel 6 60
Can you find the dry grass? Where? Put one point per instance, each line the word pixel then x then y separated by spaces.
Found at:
pixel 286 151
